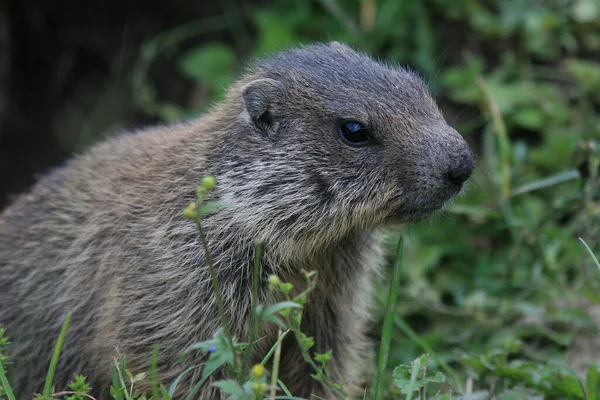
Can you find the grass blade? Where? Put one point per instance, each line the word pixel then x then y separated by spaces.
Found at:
pixel 165 393
pixel 55 356
pixel 551 180
pixel 154 372
pixel 388 322
pixel 275 374
pixel 591 252
pixel 254 316
pixel 274 348
pixel 206 374
pixel 176 381
pixel 116 384
pixel 502 136
pixel 217 291
pixel 5 384
pixel 284 388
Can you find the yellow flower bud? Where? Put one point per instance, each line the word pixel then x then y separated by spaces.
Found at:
pixel 190 211
pixel 259 388
pixel 258 371
pixel 209 182
pixel 273 281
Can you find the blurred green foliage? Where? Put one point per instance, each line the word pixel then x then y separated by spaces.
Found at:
pixel 497 288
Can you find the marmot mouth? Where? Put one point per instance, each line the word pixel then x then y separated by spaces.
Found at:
pixel 417 208
pixel 414 215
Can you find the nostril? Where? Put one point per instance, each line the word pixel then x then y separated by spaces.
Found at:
pixel 461 170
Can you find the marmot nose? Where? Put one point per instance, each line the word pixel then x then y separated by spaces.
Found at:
pixel 461 169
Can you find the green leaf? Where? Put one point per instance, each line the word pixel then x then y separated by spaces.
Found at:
pixel 5 384
pixel 592 382
pixel 212 206
pixel 404 375
pixel 230 387
pixel 270 314
pixel 215 360
pixel 437 378
pixel 275 308
pixel 273 33
pixel 220 354
pixel 165 393
pixel 116 390
pixel 530 117
pixel 324 357
pixel 212 65
pixel 138 377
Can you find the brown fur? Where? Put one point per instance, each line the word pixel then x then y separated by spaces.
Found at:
pixel 103 236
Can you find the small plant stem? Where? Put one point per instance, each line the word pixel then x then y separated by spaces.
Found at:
pixel 368 11
pixel 318 371
pixel 273 349
pixel 583 389
pixel 388 322
pixel 504 157
pixel 154 373
pixel 118 381
pixel 503 141
pixel 275 374
pixel 114 371
pixel 254 306
pixel 217 290
pixel 54 361
pixel 416 368
pixel 296 330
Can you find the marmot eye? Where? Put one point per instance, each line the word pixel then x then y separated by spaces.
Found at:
pixel 355 134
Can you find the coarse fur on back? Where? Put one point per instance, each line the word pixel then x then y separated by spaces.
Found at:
pixel 315 149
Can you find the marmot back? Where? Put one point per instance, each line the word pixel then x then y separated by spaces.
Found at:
pixel 315 149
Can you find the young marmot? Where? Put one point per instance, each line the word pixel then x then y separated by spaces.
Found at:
pixel 314 149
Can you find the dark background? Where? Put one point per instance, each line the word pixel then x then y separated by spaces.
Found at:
pixel 56 56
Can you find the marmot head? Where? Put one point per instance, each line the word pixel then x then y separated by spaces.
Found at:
pixel 328 140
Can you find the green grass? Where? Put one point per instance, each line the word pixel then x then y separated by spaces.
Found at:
pixel 496 290
pixel 48 388
pixel 7 390
pixel 388 324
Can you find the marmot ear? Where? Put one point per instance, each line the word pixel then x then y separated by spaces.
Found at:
pixel 260 97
